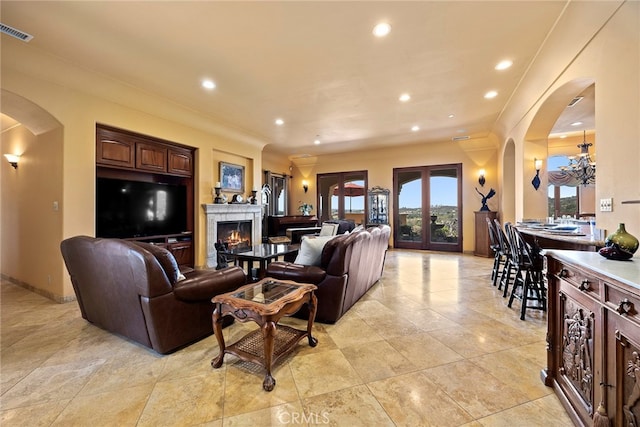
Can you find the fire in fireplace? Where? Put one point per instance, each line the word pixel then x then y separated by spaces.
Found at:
pixel 236 234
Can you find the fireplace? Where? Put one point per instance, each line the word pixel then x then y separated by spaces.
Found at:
pixel 236 234
pixel 246 219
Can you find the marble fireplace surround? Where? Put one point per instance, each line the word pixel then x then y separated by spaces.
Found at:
pixel 230 212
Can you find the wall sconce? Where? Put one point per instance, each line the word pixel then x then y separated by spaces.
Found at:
pixel 481 179
pixel 536 179
pixel 13 160
pixel 305 186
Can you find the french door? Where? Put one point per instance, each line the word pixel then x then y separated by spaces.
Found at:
pixel 428 207
pixel 342 195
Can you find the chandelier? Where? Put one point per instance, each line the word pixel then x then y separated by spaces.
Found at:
pixel 581 167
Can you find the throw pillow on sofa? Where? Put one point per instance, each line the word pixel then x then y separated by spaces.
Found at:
pixel 311 250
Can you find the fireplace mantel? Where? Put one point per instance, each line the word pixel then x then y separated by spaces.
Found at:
pixel 230 212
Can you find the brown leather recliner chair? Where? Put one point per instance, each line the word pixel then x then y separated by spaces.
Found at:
pixel 136 290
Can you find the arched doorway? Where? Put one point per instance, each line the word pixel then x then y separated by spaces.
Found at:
pixel 555 129
pixel 32 206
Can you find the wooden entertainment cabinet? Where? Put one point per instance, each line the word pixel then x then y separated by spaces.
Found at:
pixel 593 336
pixel 121 154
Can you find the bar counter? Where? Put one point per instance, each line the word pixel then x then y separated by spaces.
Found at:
pixel 548 240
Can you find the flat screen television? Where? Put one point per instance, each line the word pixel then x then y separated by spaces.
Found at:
pixel 126 208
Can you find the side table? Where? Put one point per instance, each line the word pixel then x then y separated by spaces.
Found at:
pixel 264 302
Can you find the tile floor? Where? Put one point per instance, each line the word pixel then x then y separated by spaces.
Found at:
pixel 432 343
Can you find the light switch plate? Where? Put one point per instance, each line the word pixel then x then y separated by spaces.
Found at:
pixel 606 205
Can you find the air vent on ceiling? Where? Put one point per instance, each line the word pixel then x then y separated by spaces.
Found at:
pixel 460 138
pixel 13 32
pixel 575 100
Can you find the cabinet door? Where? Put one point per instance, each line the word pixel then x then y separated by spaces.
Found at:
pixel 623 364
pixel 579 350
pixel 114 150
pixel 180 162
pixel 151 157
pixel 183 253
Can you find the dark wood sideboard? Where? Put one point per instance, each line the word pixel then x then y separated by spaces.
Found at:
pixel 593 336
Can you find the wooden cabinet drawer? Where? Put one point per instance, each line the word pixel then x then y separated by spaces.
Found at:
pixel 580 280
pixel 623 303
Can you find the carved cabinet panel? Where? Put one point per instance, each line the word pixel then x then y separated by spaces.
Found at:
pixel 577 364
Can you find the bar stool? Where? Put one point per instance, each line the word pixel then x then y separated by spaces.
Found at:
pixel 528 284
pixel 508 268
pixel 498 256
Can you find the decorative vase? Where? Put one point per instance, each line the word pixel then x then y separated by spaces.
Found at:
pixel 619 245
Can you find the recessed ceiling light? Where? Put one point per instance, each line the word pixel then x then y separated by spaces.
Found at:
pixel 503 65
pixel 405 97
pixel 279 122
pixel 491 94
pixel 316 141
pixel 576 123
pixel 451 116
pixel 382 29
pixel 208 84
pixel 415 128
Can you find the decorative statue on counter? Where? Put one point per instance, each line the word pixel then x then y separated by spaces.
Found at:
pixel 489 195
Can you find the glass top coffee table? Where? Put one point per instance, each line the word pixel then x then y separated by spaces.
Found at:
pixel 265 303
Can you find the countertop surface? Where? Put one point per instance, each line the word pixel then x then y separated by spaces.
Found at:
pixel 580 238
pixel 627 272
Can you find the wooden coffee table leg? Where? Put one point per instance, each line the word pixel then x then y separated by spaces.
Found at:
pixel 313 305
pixel 217 330
pixel 268 333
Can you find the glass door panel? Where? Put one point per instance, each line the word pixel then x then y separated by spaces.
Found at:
pixel 444 201
pixel 408 219
pixel 354 191
pixel 328 201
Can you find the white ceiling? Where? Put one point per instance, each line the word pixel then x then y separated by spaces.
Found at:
pixel 316 65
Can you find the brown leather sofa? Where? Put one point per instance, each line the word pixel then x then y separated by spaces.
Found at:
pixel 350 265
pixel 136 290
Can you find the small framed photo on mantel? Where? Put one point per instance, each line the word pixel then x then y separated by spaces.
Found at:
pixel 231 177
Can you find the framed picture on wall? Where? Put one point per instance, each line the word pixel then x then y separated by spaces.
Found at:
pixel 232 177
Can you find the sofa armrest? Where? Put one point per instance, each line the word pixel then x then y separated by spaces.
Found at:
pixel 201 285
pixel 298 273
